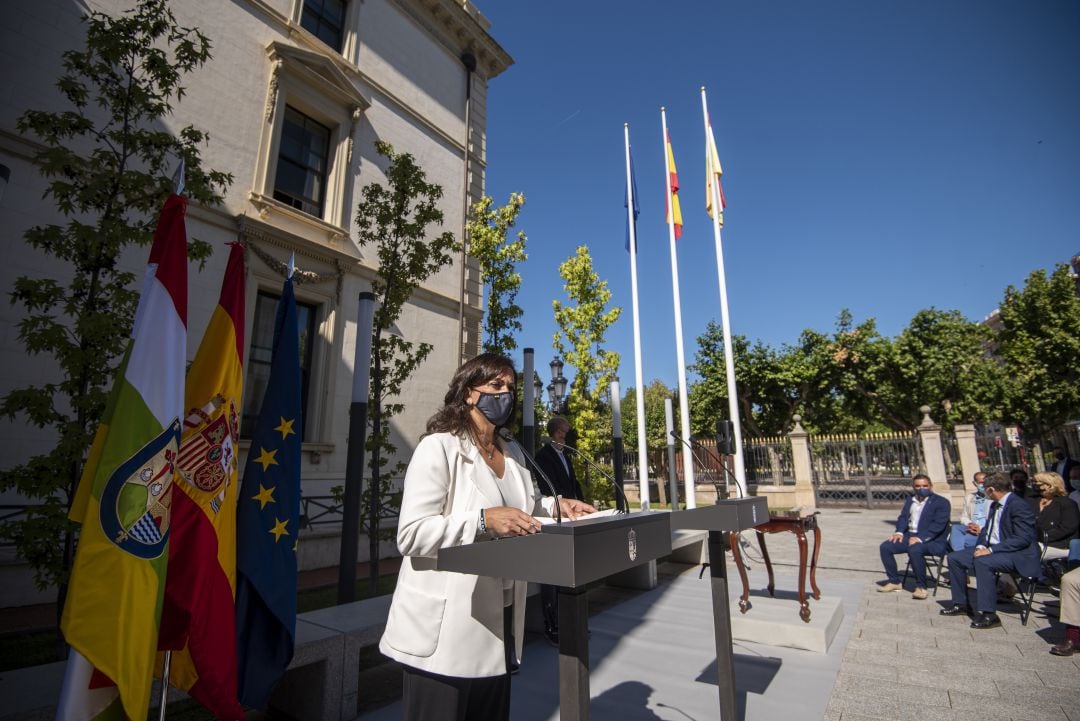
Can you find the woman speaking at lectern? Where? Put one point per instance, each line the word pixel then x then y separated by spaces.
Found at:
pixel 464 485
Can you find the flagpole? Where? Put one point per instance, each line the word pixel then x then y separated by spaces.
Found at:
pixel 684 398
pixel 164 684
pixel 642 441
pixel 725 321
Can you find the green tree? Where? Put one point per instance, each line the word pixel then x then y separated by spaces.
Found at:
pixel 395 220
pixel 107 158
pixel 655 424
pixel 941 359
pixel 580 340
pixel 772 385
pixel 487 230
pixel 1039 344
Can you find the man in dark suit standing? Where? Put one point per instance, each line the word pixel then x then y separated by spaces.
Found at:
pixel 1007 543
pixel 1063 465
pixel 920 530
pixel 554 461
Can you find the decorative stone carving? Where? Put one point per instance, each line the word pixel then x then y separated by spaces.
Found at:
pixel 271 99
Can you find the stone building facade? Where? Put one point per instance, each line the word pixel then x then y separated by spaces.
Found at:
pixel 338 75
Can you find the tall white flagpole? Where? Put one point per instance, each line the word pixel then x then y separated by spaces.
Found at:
pixel 642 441
pixel 684 397
pixel 729 356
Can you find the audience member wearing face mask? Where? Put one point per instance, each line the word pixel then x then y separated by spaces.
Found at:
pixel 972 519
pixel 920 530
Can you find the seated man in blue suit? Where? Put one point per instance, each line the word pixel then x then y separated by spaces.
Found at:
pixel 920 530
pixel 1008 542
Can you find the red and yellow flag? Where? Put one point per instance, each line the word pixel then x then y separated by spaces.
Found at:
pixel 124 498
pixel 713 171
pixel 198 620
pixel 674 212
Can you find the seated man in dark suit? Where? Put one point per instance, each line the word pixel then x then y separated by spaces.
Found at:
pixel 920 529
pixel 555 463
pixel 1007 543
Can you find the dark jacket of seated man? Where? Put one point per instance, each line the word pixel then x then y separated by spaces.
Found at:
pixel 930 533
pixel 1008 542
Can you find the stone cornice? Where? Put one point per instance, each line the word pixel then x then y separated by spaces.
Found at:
pixel 468 28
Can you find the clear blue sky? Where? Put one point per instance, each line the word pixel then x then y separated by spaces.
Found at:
pixel 879 156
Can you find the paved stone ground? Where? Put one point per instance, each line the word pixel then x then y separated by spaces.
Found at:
pixel 904 661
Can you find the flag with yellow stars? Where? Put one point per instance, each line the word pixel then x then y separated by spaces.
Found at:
pixel 268 521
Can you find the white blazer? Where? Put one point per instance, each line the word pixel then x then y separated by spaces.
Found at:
pixel 452 623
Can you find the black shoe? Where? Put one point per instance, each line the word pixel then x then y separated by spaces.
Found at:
pixel 986 620
pixel 957 609
pixel 552 636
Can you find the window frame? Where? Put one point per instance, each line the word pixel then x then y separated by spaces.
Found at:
pixel 308 369
pixel 312 85
pixel 322 174
pixel 342 31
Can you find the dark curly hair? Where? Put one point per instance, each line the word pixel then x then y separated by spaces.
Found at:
pixel 454 417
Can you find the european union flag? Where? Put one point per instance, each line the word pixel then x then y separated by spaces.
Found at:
pixel 626 203
pixel 268 521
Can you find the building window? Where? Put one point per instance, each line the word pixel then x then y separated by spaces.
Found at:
pixel 325 19
pixel 302 163
pixel 262 343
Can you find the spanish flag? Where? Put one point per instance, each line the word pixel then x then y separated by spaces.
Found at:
pixel 674 212
pixel 713 171
pixel 198 620
pixel 124 499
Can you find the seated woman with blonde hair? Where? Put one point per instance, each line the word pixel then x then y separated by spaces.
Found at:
pixel 1056 516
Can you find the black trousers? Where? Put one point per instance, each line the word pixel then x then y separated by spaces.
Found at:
pixel 549 605
pixel 431 697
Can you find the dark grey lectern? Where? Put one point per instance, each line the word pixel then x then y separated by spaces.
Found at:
pixel 569 556
pixel 720 520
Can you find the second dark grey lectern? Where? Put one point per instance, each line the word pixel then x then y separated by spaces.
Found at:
pixel 570 556
pixel 720 520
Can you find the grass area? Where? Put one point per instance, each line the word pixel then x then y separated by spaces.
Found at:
pixel 313 599
pixel 32 648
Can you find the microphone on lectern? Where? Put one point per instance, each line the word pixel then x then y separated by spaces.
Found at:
pixel 507 436
pixel 596 467
pixel 715 457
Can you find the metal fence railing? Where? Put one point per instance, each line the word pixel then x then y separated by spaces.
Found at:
pixel 768 461
pixel 871 470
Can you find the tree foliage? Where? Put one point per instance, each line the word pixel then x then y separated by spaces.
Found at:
pixel 655 424
pixel 583 325
pixel 395 220
pixel 854 380
pixel 108 158
pixel 1039 344
pixel 488 228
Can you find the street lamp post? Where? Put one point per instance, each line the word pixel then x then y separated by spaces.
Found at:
pixel 557 388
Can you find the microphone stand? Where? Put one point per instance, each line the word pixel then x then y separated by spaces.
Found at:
pixel 507 436
pixel 719 461
pixel 742 541
pixel 596 467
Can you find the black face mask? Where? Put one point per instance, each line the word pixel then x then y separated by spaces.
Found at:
pixel 496 407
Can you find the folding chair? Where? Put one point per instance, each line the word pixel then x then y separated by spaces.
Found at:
pixel 1026 586
pixel 935 564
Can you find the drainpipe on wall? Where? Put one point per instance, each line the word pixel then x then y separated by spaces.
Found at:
pixel 469 61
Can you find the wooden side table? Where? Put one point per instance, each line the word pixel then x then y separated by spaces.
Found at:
pixel 782 524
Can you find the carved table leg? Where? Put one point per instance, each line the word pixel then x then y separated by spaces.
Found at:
pixel 736 556
pixel 813 563
pixel 804 606
pixel 768 563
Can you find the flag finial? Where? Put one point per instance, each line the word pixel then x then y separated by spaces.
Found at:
pixel 178 178
pixel 292 266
